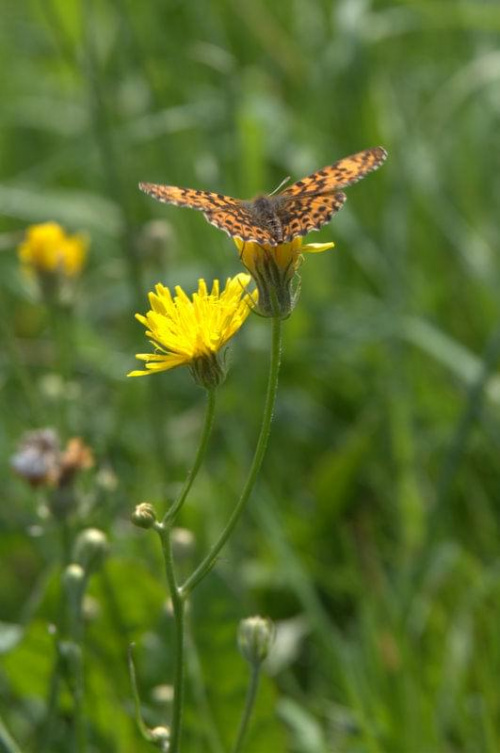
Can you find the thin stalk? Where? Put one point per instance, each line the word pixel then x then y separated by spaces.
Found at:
pixel 178 610
pixel 272 386
pixel 249 705
pixel 172 513
pixel 135 692
pixel 164 530
pixel 78 691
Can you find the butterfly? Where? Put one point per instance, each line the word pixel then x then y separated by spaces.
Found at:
pixel 271 220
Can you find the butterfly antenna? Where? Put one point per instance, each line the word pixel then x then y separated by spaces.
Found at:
pixel 278 188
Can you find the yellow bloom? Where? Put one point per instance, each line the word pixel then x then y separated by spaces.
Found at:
pixel 47 249
pixel 191 332
pixel 273 269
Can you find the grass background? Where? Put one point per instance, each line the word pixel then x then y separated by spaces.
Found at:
pixel 372 539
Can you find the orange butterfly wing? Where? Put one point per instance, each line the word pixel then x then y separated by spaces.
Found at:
pixel 224 212
pixel 205 201
pixel 309 213
pixel 338 176
pixel 240 225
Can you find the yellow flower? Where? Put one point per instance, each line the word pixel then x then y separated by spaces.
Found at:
pixel 47 249
pixel 191 332
pixel 273 269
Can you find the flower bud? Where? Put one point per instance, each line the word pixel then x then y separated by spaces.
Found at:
pixel 162 694
pixel 90 549
pixel 160 737
pixel 106 479
pixel 156 240
pixel 73 578
pixel 255 638
pixel 144 515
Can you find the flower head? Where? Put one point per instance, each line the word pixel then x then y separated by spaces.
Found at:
pixel 144 515
pixel 38 457
pixel 76 457
pixel 191 331
pixel 40 460
pixel 255 638
pixel 273 269
pixel 90 549
pixel 47 249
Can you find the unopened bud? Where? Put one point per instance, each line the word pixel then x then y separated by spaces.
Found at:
pixel 74 578
pixel 90 550
pixel 156 240
pixel 160 736
pixel 255 638
pixel 144 515
pixel 162 694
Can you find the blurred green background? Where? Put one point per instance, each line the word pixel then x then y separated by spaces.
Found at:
pixel 372 538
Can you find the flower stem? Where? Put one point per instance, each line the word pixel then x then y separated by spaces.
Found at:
pixel 78 692
pixel 247 711
pixel 164 530
pixel 172 513
pixel 178 610
pixel 135 692
pixel 272 386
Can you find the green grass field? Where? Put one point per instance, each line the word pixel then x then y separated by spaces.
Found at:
pixel 372 537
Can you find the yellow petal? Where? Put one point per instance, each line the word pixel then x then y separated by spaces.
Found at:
pixel 316 248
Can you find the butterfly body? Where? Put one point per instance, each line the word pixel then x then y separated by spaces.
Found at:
pixel 266 212
pixel 306 205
